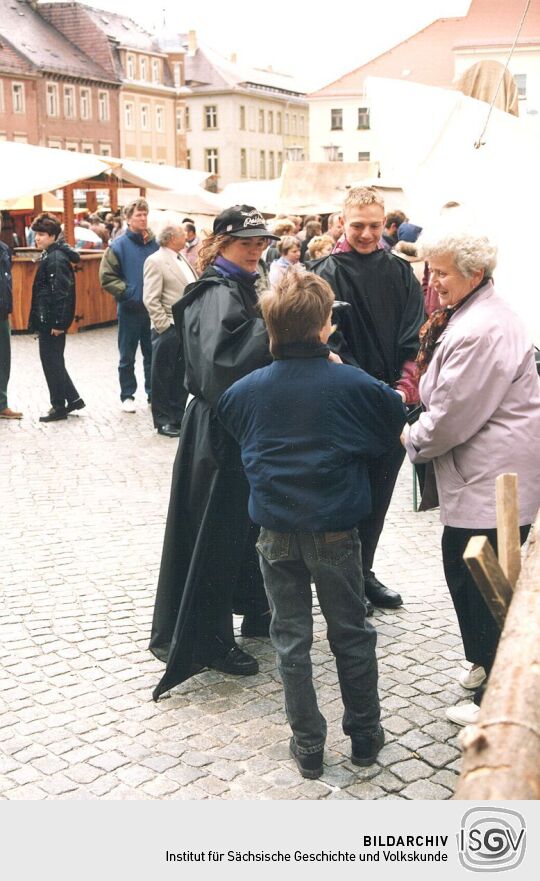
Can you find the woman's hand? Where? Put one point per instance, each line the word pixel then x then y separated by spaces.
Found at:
pixel 405 434
pixel 332 356
pixel 56 332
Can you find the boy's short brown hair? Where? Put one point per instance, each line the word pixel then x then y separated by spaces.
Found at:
pixel 298 309
pixel 47 223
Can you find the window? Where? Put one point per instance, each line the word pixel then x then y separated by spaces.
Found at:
pixel 243 163
pixel 177 74
pixel 105 149
pixel 294 123
pixel 270 121
pixel 279 123
pixel 130 67
pixel 52 99
pixel 242 118
pixel 279 162
pixel 143 68
pixel 155 70
pixel 364 156
pixel 187 119
pixel 521 83
pixel 145 116
pixel 160 116
pixel 69 102
pixel 211 160
pixel 128 116
pixel 17 97
pixel 178 120
pixel 286 124
pixel 262 165
pixel 188 158
pixel 87 148
pixel 339 156
pixel 210 116
pixel 103 106
pixel 86 106
pixel 336 120
pixel 72 146
pixel 53 144
pixel 363 117
pixel 271 165
pixel 261 120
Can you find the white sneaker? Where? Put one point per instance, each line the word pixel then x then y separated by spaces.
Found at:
pixel 128 405
pixel 472 678
pixel 463 714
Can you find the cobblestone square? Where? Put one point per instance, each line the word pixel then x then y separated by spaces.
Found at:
pixel 83 512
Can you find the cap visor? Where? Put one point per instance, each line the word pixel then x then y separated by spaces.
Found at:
pixel 252 233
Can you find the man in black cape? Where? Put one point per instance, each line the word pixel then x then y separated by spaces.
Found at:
pixel 379 333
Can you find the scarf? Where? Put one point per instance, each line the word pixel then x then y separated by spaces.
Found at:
pixel 433 328
pixel 232 270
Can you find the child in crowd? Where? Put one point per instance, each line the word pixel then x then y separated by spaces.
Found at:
pixel 306 426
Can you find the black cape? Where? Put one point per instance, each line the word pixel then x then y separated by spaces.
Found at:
pixel 209 540
pixel 380 332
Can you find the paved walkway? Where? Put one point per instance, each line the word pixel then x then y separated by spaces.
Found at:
pixel 83 513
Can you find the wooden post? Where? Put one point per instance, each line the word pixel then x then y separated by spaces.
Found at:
pixel 489 577
pixel 113 199
pixel 69 233
pixel 91 201
pixel 38 204
pixel 508 541
pixel 501 758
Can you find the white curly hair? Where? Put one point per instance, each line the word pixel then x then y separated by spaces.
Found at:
pixel 469 251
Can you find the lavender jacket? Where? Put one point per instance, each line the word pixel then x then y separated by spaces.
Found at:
pixel 482 398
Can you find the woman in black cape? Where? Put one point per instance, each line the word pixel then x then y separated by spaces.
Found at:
pixel 209 565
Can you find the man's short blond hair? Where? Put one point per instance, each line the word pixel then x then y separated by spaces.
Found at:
pixel 135 205
pixel 298 309
pixel 359 197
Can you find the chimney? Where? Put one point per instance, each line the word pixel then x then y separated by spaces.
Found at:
pixel 192 43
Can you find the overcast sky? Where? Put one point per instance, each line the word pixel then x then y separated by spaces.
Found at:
pixel 316 41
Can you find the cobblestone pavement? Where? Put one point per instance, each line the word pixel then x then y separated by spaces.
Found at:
pixel 84 505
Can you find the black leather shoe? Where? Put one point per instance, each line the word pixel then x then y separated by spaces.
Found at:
pixel 78 404
pixel 369 608
pixel 54 415
pixel 169 430
pixel 310 765
pixel 256 625
pixel 379 594
pixel 366 747
pixel 237 662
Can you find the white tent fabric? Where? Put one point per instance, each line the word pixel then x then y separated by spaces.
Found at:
pixel 163 177
pixel 262 194
pixel 186 201
pixel 497 185
pixel 29 171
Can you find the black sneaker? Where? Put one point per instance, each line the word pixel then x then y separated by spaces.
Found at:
pixel 54 415
pixel 310 765
pixel 366 747
pixel 237 662
pixel 77 404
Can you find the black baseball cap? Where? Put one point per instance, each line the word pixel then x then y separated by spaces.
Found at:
pixel 243 222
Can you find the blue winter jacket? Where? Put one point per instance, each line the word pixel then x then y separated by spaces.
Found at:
pixel 131 251
pixel 307 428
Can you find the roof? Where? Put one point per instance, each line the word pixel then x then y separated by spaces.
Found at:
pixel 11 61
pixel 122 29
pixel 36 40
pixel 427 56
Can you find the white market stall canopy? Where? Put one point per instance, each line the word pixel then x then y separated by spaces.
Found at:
pixel 497 184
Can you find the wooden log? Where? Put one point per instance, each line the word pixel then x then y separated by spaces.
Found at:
pixel 489 577
pixel 508 541
pixel 502 750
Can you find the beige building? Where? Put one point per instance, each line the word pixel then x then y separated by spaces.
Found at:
pixel 435 56
pixel 240 122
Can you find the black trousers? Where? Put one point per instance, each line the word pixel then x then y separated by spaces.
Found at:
pixel 168 393
pixel 51 352
pixel 383 474
pixel 479 631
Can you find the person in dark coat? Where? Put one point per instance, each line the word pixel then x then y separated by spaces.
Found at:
pixel 6 307
pixel 51 314
pixel 209 564
pixel 380 334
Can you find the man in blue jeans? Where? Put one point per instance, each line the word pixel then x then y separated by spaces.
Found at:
pixel 121 274
pixel 307 426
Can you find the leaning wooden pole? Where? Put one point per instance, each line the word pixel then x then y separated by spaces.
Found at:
pixel 502 751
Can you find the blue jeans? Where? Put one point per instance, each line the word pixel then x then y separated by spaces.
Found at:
pixel 133 328
pixel 289 562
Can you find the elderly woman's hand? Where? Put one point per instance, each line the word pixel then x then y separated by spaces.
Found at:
pixel 405 433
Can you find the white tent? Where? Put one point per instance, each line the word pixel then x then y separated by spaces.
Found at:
pixel 497 184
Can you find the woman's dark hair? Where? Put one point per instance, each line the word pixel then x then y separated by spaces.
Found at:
pixel 47 223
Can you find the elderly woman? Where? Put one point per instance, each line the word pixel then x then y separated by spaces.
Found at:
pixel 481 395
pixel 209 565
pixel 289 251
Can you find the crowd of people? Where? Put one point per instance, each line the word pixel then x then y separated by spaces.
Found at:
pixel 316 357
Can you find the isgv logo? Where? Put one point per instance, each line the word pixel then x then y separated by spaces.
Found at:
pixel 491 839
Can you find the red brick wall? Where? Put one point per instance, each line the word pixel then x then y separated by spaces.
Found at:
pixel 19 124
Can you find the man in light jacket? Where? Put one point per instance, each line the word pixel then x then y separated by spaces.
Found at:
pixel 166 274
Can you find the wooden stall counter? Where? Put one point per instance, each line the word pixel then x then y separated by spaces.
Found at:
pixel 93 307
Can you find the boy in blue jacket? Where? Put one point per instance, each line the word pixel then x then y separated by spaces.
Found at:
pixel 307 427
